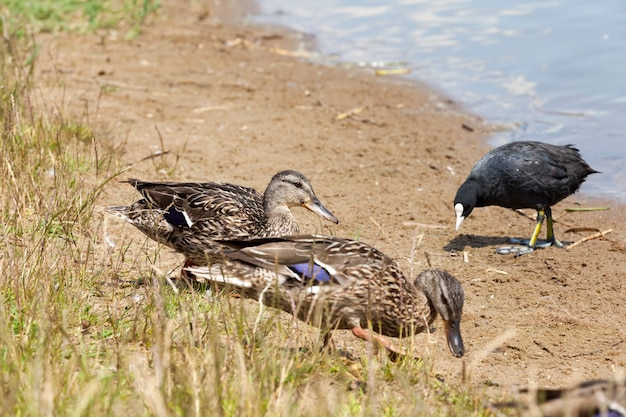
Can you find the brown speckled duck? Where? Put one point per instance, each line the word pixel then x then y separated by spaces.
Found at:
pixel 189 217
pixel 593 398
pixel 336 283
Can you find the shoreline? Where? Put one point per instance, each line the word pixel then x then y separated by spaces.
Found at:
pixel 516 114
pixel 289 42
pixel 384 154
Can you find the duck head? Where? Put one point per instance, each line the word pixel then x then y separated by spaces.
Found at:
pixel 292 189
pixel 446 296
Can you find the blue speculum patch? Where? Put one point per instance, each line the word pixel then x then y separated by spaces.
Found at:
pixel 311 271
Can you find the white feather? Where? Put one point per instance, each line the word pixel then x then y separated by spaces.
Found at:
pixel 314 289
pixel 187 219
pixel 256 252
pixel 216 274
pixel 331 271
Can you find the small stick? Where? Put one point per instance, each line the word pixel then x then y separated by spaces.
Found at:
pixel 528 216
pixel 350 113
pixel 593 236
pixel 393 71
pixel 593 352
pixel 587 208
pixel 424 225
pixel 120 84
pixel 497 271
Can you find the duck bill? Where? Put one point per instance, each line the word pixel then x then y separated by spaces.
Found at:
pixel 455 341
pixel 316 207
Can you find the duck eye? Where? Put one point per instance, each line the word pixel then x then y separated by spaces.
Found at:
pixel 298 184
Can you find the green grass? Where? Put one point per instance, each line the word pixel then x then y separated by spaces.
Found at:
pixel 20 18
pixel 86 330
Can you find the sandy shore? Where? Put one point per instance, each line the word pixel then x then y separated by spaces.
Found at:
pixel 384 154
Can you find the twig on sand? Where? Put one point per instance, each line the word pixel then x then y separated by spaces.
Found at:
pixel 393 71
pixel 593 352
pixel 380 228
pixel 591 237
pixel 123 85
pixel 349 113
pixel 587 208
pixel 523 214
pixel 497 271
pixel 424 225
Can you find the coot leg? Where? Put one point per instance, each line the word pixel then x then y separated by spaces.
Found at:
pixel 534 242
pixel 550 233
pixel 533 239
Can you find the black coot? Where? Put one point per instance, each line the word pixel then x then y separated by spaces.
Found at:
pixel 523 175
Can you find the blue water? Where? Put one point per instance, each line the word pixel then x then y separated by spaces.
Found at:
pixel 553 71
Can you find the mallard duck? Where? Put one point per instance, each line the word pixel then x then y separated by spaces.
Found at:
pixel 587 399
pixel 593 398
pixel 523 175
pixel 189 217
pixel 336 283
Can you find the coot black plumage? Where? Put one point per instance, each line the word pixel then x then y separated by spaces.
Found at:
pixel 520 175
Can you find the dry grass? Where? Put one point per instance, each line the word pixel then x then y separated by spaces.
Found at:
pixel 90 330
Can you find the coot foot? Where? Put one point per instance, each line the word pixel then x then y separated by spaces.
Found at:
pixel 517 250
pixel 522 246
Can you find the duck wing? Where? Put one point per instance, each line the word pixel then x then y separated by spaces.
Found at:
pixel 324 259
pixel 227 210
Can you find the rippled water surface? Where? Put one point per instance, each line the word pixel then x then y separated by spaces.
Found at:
pixel 556 70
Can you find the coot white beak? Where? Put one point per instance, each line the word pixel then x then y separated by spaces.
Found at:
pixel 458 209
